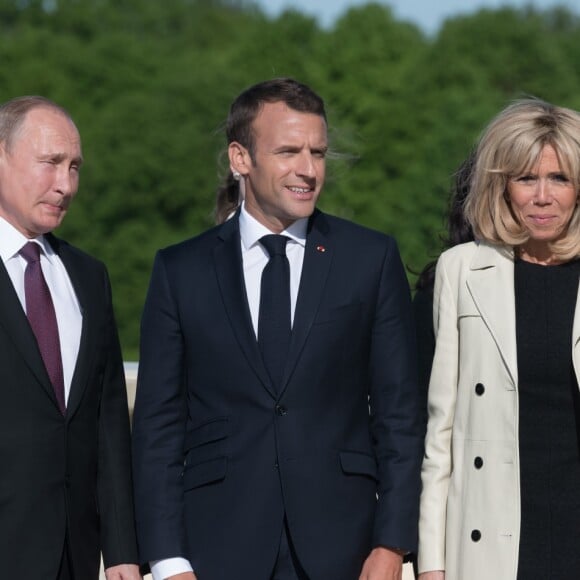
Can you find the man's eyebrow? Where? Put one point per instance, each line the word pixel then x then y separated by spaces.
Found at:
pixel 59 157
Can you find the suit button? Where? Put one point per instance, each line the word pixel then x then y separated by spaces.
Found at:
pixel 478 462
pixel 280 410
pixel 479 389
pixel 476 535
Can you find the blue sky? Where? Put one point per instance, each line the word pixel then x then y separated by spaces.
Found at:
pixel 428 14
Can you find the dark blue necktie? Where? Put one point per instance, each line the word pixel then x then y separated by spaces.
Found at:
pixel 274 325
pixel 42 318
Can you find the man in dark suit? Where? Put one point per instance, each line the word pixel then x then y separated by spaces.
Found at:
pixel 65 489
pixel 262 452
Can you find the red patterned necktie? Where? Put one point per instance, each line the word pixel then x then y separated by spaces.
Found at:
pixel 42 318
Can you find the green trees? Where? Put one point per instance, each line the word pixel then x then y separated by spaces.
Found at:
pixel 149 84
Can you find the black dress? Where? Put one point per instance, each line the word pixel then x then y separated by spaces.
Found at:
pixel 549 418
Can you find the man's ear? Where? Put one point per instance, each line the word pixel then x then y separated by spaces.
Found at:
pixel 240 159
pixel 3 153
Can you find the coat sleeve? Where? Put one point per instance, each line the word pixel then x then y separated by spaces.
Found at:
pixel 159 425
pixel 436 469
pixel 397 419
pixel 114 483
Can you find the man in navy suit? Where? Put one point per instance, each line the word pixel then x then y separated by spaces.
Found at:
pixel 309 469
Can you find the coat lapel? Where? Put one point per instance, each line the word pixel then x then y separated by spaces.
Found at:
pixel 14 322
pixel 87 347
pixel 576 337
pixel 228 264
pixel 318 256
pixel 490 282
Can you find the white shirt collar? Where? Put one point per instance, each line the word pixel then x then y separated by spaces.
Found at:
pixel 251 230
pixel 12 241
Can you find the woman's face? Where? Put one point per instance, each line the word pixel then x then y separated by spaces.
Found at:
pixel 543 201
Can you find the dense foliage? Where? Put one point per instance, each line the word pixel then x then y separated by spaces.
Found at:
pixel 149 84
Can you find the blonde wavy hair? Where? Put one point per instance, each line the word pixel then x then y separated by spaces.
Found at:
pixel 510 146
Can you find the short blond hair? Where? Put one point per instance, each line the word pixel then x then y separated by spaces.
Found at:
pixel 510 146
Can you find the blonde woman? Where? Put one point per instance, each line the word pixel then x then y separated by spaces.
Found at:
pixel 501 473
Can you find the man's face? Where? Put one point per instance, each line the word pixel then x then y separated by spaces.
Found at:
pixel 284 179
pixel 39 174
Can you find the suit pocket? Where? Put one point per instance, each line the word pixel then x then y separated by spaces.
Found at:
pixel 208 432
pixel 467 309
pixel 205 453
pixel 356 463
pixel 203 473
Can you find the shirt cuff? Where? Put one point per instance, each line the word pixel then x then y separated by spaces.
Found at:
pixel 161 569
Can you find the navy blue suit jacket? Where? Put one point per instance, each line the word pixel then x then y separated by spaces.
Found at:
pixel 220 457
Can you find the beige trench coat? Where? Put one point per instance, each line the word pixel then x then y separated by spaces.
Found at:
pixel 470 505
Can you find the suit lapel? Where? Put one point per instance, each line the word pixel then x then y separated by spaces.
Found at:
pixel 87 347
pixel 491 284
pixel 13 320
pixel 576 338
pixel 229 270
pixel 318 255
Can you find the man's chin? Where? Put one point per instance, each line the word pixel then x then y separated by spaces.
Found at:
pixel 49 224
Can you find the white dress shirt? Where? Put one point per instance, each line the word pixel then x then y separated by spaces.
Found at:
pixel 68 313
pixel 254 259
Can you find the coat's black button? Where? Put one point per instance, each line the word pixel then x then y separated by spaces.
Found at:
pixel 479 389
pixel 476 535
pixel 281 410
pixel 478 462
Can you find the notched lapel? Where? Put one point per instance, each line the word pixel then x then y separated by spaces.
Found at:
pixel 576 337
pixel 228 264
pixel 13 320
pixel 318 256
pixel 491 284
pixel 87 348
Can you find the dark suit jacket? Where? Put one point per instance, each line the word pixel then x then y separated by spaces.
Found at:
pixel 64 475
pixel 423 312
pixel 220 457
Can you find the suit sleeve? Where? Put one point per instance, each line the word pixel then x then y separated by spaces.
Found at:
pixel 114 483
pixel 397 423
pixel 436 470
pixel 159 425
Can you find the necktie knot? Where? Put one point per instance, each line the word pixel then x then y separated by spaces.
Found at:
pixel 275 244
pixel 30 252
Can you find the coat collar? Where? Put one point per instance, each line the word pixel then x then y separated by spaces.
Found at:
pixel 318 255
pixel 13 320
pixel 490 282
pixel 16 326
pixel 75 265
pixel 228 264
